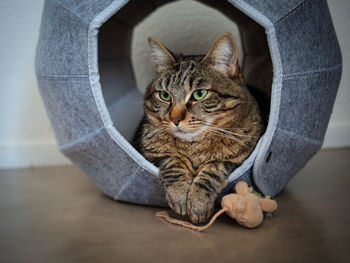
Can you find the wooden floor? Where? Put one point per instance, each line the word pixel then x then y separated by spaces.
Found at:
pixel 58 215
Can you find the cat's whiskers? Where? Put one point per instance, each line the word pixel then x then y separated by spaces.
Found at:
pixel 230 132
pixel 214 132
pixel 241 101
pixel 224 133
pixel 228 135
pixel 235 134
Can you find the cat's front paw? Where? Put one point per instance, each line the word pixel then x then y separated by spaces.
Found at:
pixel 177 199
pixel 200 204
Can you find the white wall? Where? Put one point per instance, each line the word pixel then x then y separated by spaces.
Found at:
pixel 26 138
pixel 338 133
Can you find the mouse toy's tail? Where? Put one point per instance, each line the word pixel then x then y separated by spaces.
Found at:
pixel 164 214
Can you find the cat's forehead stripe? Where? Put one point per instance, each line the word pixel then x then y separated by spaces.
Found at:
pixel 183 72
pixel 180 78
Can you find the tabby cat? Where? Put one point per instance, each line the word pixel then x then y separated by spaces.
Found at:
pixel 200 123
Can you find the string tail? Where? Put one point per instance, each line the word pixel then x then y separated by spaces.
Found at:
pixel 164 214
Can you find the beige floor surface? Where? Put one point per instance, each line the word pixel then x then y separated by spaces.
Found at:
pixel 57 215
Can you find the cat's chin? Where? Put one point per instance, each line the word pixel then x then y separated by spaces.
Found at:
pixel 188 136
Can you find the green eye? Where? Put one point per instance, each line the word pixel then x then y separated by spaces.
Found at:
pixel 199 94
pixel 165 96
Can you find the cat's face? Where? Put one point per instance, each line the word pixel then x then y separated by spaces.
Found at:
pixel 195 94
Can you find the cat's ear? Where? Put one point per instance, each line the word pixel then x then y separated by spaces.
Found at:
pixel 161 56
pixel 223 55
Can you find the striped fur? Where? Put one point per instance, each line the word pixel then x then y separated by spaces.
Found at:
pixel 213 136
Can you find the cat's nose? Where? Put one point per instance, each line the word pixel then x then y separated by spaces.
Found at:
pixel 177 114
pixel 176 120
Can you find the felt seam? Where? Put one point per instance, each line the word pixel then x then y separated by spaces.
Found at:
pixel 127 183
pixel 59 77
pixel 311 72
pixel 71 14
pixel 69 145
pixel 299 137
pixel 290 12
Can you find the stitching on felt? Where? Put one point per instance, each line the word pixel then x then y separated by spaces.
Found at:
pixel 299 137
pixel 91 55
pixel 267 138
pixel 126 184
pixel 311 72
pixel 97 91
pixel 62 76
pixel 71 14
pixel 68 145
pixel 289 12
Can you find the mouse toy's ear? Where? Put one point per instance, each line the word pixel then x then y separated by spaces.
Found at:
pixel 241 187
pixel 161 56
pixel 223 56
pixel 268 205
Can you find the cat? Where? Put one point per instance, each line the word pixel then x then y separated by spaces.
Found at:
pixel 201 122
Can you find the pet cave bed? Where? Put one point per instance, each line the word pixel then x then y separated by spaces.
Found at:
pixel 86 81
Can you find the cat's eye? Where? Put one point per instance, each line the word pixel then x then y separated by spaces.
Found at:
pixel 199 94
pixel 165 96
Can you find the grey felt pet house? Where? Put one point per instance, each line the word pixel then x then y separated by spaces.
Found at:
pixel 86 81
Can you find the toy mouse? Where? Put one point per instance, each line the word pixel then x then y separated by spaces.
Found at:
pixel 244 206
